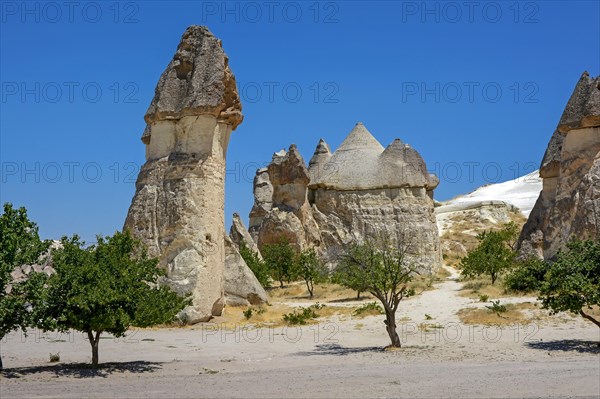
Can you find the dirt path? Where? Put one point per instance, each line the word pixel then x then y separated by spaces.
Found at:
pixel 441 303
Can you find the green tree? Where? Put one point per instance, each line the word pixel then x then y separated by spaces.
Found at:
pixel 20 244
pixel 311 269
pixel 386 274
pixel 108 287
pixel 280 259
pixel 527 276
pixel 569 283
pixel 494 255
pixel 354 282
pixel 256 264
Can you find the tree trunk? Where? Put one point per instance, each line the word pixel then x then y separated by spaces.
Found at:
pixel 280 283
pixel 494 278
pixel 0 363
pixel 357 295
pixel 585 316
pixel 390 325
pixel 309 286
pixel 94 341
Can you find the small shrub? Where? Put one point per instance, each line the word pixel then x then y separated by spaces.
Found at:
pixel 428 317
pixel 300 316
pixel 55 357
pixel 318 306
pixel 483 298
pixel 248 313
pixel 368 308
pixel 256 264
pixel 497 307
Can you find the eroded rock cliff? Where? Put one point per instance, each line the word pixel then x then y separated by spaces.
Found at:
pixel 361 190
pixel 569 205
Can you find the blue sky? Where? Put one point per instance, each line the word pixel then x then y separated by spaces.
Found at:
pixel 477 88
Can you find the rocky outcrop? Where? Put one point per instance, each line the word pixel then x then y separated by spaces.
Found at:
pixel 569 205
pixel 263 201
pixel 361 190
pixel 290 217
pixel 178 207
pixel 240 235
pixel 240 284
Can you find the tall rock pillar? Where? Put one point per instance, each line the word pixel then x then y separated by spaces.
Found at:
pixel 569 204
pixel 178 207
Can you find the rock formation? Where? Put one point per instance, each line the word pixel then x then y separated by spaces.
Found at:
pixel 361 190
pixel 489 207
pixel 263 194
pixel 240 235
pixel 178 207
pixel 569 205
pixel 240 284
pixel 242 288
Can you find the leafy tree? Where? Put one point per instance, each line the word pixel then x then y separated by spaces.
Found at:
pixel 20 244
pixel 311 269
pixel 354 282
pixel 108 287
pixel 570 283
pixel 256 264
pixel 527 276
pixel 385 272
pixel 280 259
pixel 494 255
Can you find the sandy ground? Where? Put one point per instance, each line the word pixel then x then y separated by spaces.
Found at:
pixel 339 357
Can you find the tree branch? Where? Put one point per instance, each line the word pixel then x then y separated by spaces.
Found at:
pixel 590 318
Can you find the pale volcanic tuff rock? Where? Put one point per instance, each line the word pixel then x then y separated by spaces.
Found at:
pixel 263 201
pixel 361 190
pixel 240 235
pixel 569 205
pixel 240 284
pixel 290 217
pixel 242 288
pixel 178 207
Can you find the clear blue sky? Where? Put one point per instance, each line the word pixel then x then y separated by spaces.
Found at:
pixel 474 87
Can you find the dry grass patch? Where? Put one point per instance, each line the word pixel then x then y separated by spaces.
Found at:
pixel 514 314
pixel 290 291
pixel 325 292
pixel 262 316
pixel 329 311
pixel 273 315
pixel 481 287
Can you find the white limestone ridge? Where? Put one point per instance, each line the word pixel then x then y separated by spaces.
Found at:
pixel 520 193
pixel 491 205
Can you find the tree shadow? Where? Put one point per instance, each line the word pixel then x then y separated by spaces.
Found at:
pixel 352 299
pixel 567 345
pixel 83 370
pixel 338 350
